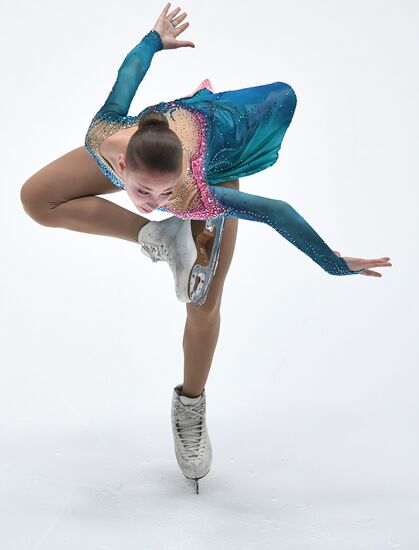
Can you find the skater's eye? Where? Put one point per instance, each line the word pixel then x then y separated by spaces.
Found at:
pixel 145 192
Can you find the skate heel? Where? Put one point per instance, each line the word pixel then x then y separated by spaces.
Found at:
pixel 203 271
pixel 204 243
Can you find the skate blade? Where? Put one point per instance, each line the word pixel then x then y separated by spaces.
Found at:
pixel 196 481
pixel 205 267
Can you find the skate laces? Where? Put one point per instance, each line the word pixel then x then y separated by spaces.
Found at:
pixel 190 426
pixel 157 252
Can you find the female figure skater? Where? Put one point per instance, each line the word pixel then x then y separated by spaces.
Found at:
pixel 184 157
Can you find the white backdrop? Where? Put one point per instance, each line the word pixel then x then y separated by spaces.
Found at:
pixel 312 401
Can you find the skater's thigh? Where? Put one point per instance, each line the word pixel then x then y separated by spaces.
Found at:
pixel 276 100
pixel 254 95
pixel 73 175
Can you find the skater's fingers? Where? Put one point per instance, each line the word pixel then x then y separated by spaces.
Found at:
pixel 370 273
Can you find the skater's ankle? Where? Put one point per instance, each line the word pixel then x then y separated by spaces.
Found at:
pixel 143 223
pixel 190 394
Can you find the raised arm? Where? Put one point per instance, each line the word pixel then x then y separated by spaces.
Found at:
pixel 285 220
pixel 130 75
pixel 163 36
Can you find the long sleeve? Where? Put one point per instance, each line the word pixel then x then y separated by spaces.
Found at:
pixel 285 220
pixel 130 75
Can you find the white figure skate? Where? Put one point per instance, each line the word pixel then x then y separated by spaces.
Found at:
pixel 192 261
pixel 191 440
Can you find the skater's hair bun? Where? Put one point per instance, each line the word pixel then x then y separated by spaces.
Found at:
pixel 154 146
pixel 153 119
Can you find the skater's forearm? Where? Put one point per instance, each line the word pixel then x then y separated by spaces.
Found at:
pixel 285 220
pixel 131 73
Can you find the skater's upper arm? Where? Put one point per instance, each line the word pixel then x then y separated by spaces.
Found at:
pixel 130 75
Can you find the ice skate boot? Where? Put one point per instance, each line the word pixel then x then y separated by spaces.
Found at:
pixel 193 259
pixel 191 440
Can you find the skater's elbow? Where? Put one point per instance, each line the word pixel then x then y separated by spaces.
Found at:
pixel 280 209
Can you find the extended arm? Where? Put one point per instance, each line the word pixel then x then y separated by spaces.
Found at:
pixel 130 75
pixel 285 220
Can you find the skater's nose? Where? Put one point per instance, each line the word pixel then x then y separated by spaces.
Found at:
pixel 152 205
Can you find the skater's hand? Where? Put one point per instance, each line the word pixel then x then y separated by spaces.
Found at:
pixel 168 33
pixel 355 264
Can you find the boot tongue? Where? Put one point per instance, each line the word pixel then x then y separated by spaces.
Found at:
pixel 189 400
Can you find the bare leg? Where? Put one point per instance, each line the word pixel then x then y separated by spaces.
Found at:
pixel 62 194
pixel 202 325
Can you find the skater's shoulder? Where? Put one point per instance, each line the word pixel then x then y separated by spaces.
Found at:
pixel 103 126
pixel 184 125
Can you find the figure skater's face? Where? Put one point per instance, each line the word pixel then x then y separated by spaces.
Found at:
pixel 148 189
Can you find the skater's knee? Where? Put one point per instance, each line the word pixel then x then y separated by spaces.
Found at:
pixel 287 90
pixel 35 201
pixel 208 312
pixel 285 97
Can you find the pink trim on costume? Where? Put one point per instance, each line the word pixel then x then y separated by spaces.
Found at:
pixel 204 84
pixel 209 207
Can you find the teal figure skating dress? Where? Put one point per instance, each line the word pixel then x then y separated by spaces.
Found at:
pixel 240 132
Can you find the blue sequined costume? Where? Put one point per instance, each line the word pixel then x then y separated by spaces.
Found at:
pixel 242 132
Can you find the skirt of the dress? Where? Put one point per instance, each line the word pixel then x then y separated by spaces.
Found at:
pixel 245 127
